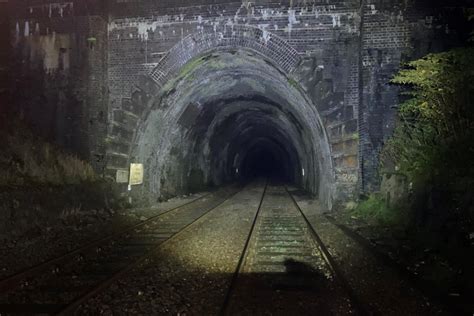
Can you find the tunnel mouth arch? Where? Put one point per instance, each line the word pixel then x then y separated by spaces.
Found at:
pixel 202 123
pixel 225 37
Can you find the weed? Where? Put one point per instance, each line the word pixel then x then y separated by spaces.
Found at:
pixel 375 208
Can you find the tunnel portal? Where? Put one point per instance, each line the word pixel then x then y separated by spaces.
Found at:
pixel 114 106
pixel 137 60
pixel 231 115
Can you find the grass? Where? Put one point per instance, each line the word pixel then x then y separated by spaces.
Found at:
pixel 376 209
pixel 27 159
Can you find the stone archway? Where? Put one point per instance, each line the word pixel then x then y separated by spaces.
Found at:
pixel 157 91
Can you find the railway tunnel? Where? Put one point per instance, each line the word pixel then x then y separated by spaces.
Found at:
pixel 223 157
pixel 232 115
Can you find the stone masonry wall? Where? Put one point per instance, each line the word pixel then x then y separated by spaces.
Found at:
pixel 324 41
pixel 4 55
pixel 83 68
pixel 394 32
pixel 60 72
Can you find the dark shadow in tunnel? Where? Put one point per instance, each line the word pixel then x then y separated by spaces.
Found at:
pixel 263 163
pixel 267 160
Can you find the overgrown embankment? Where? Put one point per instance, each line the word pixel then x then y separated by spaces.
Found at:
pixel 432 147
pixel 424 212
pixel 41 185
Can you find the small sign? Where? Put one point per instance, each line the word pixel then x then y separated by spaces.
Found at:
pixel 136 174
pixel 122 176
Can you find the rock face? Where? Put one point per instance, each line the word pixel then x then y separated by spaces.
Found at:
pixel 192 88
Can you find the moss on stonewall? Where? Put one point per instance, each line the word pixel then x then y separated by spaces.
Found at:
pixel 185 72
pixel 293 83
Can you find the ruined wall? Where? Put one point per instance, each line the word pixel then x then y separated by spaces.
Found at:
pixel 60 72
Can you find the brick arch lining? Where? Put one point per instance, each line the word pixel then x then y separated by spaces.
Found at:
pixel 274 50
pixel 250 37
pixel 126 119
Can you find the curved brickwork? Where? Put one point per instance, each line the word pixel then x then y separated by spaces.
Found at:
pixel 236 36
pixel 314 46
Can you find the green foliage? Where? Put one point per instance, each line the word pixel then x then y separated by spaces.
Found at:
pixel 376 208
pixel 433 139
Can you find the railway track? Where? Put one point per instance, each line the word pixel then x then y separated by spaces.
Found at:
pixel 60 285
pixel 285 267
pixel 455 305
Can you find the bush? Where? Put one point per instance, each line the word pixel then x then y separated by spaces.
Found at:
pixel 433 141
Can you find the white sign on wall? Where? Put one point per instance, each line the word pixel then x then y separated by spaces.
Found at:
pixel 136 174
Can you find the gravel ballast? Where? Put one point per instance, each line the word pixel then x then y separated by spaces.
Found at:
pixel 381 289
pixel 77 229
pixel 190 273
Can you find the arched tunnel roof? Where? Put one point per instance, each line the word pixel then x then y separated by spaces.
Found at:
pixel 207 118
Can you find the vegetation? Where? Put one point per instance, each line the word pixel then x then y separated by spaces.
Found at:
pixel 433 143
pixel 375 208
pixel 27 159
pixel 432 146
pixel 185 71
pixel 433 139
pixel 431 221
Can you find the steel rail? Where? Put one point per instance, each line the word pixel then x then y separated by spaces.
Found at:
pixel 425 287
pixel 359 308
pixel 11 282
pixel 225 306
pixel 71 307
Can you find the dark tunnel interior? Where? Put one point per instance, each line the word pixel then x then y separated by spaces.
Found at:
pixel 234 116
pixel 267 160
pixel 256 147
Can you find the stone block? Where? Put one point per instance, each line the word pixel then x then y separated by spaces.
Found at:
pixel 346 161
